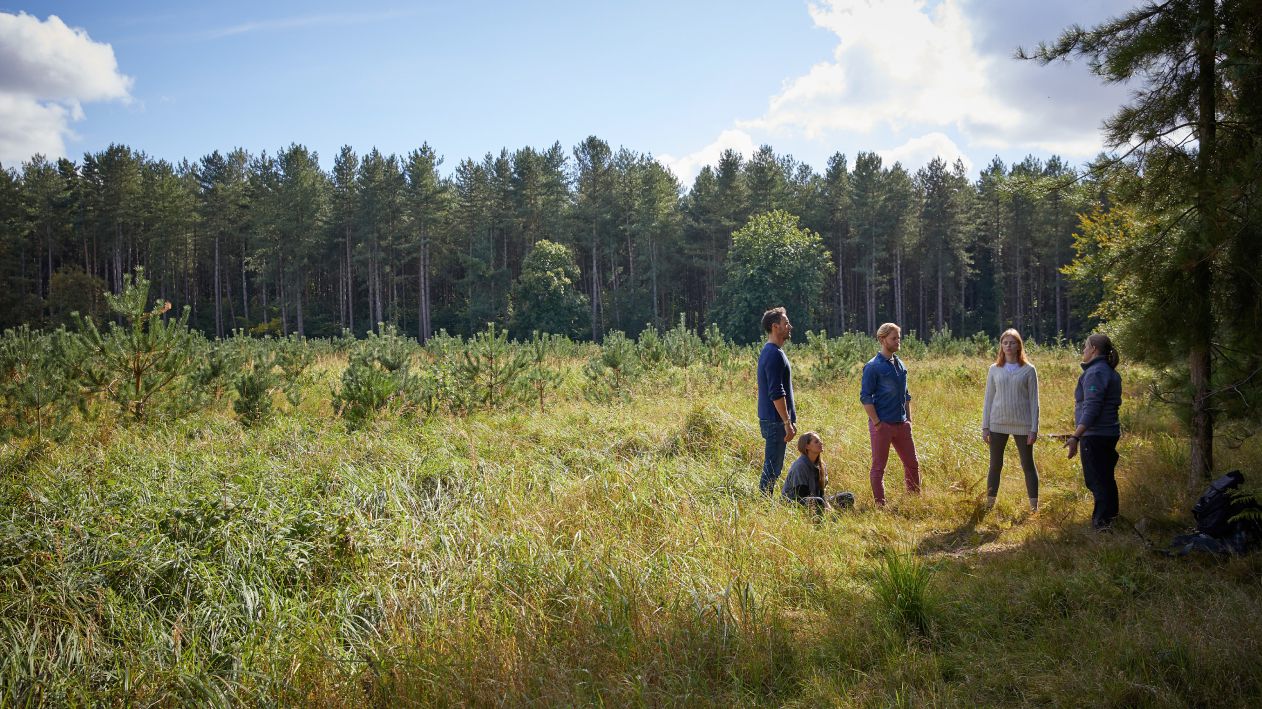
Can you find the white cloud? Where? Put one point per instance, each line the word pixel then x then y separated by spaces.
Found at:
pixel 897 63
pixel 47 71
pixel 920 151
pixel 909 72
pixel 687 167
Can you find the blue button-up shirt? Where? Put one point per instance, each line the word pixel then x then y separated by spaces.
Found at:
pixel 885 387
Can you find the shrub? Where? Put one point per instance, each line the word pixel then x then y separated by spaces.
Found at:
pixel 37 392
pixel 609 372
pixel 681 346
pixel 140 360
pixel 489 369
pixel 539 378
pixel 293 358
pixel 650 347
pixel 254 392
pixel 834 357
pixel 379 374
pixel 218 365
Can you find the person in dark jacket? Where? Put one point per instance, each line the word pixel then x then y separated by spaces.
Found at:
pixel 776 415
pixel 1097 399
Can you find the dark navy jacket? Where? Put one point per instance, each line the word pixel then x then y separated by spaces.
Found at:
pixel 1097 399
pixel 884 385
pixel 775 381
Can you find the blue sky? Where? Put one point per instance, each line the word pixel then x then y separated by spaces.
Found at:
pixel 679 79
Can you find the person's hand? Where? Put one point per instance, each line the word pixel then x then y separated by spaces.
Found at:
pixel 876 425
pixel 1030 439
pixel 790 431
pixel 1072 444
pixel 986 435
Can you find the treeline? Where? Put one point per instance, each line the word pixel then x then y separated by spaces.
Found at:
pixel 272 243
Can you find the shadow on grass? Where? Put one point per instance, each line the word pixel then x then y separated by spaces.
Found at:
pixel 966 536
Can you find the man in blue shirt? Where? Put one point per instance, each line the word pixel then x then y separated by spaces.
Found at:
pixel 776 415
pixel 884 396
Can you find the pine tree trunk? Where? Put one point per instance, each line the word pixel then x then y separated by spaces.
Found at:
pixel 218 307
pixel 872 280
pixel 841 287
pixel 422 284
pixel 898 285
pixel 298 289
pixel 1020 272
pixel 48 284
pixel 245 291
pixel 921 310
pixel 350 284
pixel 595 291
pixel 232 304
pixel 657 315
pixel 1199 356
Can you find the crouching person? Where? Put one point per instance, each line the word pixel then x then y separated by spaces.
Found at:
pixel 808 478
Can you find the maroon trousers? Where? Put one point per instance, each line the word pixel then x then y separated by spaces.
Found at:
pixel 898 435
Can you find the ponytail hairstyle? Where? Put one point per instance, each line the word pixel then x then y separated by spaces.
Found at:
pixel 1104 346
pixel 805 439
pixel 1011 332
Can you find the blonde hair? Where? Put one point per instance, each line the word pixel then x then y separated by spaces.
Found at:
pixel 1011 332
pixel 885 328
pixel 805 439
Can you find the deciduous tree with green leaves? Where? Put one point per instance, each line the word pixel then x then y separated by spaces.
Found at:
pixel 545 296
pixel 772 262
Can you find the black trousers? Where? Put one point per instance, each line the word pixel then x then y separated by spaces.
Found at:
pixel 999 441
pixel 1099 460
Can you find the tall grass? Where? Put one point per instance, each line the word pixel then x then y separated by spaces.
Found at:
pixel 900 583
pixel 603 553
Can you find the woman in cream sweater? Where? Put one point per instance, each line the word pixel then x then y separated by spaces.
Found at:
pixel 1011 408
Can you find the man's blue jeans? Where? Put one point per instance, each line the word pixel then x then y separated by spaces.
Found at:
pixel 773 454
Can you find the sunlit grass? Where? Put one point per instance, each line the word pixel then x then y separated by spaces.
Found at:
pixel 611 552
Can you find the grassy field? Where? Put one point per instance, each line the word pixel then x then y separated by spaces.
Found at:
pixel 609 553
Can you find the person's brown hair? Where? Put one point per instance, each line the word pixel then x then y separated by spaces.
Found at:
pixel 1104 346
pixel 1012 331
pixel 771 317
pixel 885 329
pixel 805 439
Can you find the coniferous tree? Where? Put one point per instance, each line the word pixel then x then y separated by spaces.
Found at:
pixel 1190 61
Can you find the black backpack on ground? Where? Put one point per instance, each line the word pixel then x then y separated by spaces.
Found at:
pixel 1216 534
pixel 1213 512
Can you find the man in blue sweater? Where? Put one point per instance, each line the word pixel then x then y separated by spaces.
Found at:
pixel 776 415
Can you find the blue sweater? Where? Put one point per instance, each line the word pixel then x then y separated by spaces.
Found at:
pixel 1097 399
pixel 775 381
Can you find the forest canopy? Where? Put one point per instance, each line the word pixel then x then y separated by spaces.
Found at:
pixel 272 243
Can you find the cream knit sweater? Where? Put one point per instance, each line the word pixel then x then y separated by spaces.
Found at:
pixel 1012 400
